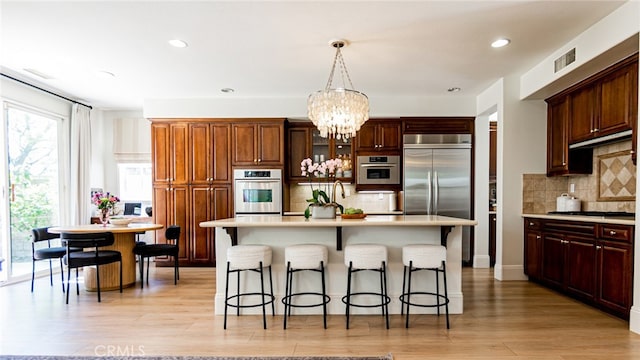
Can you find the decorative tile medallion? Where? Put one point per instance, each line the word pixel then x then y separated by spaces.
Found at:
pixel 617 177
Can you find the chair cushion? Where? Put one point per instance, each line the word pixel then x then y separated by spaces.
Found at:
pixel 155 250
pixel 424 256
pixel 248 256
pixel 306 256
pixel 365 256
pixel 86 258
pixel 49 253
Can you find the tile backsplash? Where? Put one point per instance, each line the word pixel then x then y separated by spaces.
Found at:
pixel 539 192
pixel 370 201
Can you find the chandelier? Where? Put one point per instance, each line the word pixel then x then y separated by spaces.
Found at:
pixel 338 112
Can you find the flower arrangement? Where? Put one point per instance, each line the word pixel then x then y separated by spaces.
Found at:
pixel 104 201
pixel 324 170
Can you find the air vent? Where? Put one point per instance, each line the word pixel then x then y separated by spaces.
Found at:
pixel 565 60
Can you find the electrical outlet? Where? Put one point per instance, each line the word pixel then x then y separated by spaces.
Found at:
pixel 347 192
pixel 572 188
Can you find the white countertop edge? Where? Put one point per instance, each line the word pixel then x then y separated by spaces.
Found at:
pixel 592 219
pixel 378 220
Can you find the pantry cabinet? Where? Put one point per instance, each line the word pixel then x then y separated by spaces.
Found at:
pixel 169 151
pixel 211 202
pixel 589 261
pixel 210 146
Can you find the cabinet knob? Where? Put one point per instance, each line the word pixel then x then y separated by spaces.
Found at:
pixel 259 160
pixel 495 219
pixel 255 160
pixel 564 163
pixel 538 236
pixel 530 224
pixel 632 152
pixel 596 130
pixel 612 232
pixel 598 247
pixel 591 131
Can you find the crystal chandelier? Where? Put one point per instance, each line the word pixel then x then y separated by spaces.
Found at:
pixel 338 112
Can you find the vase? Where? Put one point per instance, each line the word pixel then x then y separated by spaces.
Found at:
pixel 323 212
pixel 104 216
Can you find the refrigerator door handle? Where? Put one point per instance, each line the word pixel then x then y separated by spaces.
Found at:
pixel 436 192
pixel 429 192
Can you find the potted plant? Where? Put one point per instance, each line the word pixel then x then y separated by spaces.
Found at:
pixel 321 205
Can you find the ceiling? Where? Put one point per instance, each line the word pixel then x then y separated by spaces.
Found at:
pixel 266 49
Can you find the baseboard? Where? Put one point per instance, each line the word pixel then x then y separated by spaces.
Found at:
pixel 509 273
pixel 481 261
pixel 634 320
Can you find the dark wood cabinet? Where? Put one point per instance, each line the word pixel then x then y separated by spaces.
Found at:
pixel 304 141
pixel 258 143
pixel 492 239
pixel 437 125
pixel 582 113
pixel 208 203
pixel 170 207
pixel 380 135
pixel 561 160
pixel 533 249
pixel 592 262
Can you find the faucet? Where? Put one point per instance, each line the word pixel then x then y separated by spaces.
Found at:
pixel 333 193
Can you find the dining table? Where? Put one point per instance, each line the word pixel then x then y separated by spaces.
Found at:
pixel 124 241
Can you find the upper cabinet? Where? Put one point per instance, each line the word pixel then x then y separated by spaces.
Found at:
pixel 304 141
pixel 210 146
pixel 605 104
pixel 258 143
pixel 437 125
pixel 380 136
pixel 169 149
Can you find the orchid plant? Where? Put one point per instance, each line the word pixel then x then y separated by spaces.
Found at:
pixel 324 170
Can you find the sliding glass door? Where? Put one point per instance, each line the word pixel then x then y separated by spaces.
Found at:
pixel 31 184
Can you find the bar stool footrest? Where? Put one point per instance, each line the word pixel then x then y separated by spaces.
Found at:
pixel 269 300
pixel 287 300
pixel 402 299
pixel 386 302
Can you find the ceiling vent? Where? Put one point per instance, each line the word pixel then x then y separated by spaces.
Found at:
pixel 565 60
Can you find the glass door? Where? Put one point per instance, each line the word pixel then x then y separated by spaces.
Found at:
pixel 31 184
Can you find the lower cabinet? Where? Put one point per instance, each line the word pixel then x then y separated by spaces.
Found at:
pixel 591 262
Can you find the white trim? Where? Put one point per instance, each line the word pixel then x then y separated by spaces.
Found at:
pixel 481 261
pixel 509 273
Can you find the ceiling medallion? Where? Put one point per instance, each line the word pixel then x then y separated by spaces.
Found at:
pixel 338 112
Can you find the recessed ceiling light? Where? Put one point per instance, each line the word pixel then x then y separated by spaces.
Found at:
pixel 227 90
pixel 105 74
pixel 454 89
pixel 178 43
pixel 500 43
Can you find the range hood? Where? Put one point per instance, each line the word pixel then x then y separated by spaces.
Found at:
pixel 624 135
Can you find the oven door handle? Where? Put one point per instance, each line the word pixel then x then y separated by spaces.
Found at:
pixel 258 180
pixel 376 165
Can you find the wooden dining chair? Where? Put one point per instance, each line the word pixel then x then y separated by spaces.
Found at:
pixel 92 255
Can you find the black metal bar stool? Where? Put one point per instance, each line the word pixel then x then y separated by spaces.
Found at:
pixel 305 257
pixel 424 257
pixel 367 257
pixel 252 258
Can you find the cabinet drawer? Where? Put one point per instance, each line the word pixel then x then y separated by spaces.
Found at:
pixel 582 228
pixel 616 232
pixel 532 223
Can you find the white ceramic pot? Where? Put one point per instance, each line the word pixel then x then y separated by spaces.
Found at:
pixel 323 212
pixel 573 204
pixel 561 202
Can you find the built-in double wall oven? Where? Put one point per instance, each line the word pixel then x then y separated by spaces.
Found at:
pixel 257 192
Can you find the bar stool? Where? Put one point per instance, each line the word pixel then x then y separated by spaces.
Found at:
pixel 367 257
pixel 305 257
pixel 252 258
pixel 424 257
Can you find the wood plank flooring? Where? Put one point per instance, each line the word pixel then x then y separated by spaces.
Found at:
pixel 501 320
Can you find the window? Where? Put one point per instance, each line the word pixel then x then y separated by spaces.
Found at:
pixel 135 182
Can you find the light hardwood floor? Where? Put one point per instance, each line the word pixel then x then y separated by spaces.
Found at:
pixel 501 320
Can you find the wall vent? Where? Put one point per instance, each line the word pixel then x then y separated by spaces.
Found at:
pixel 565 60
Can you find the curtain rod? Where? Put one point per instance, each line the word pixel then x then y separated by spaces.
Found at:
pixel 45 90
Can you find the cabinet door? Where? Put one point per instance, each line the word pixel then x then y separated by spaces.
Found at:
pixel 366 138
pixel 200 238
pixel 582 114
pixel 616 99
pixel 390 137
pixel 180 216
pixel 557 141
pixel 200 154
pixel 615 269
pixel 160 152
pixel 220 149
pixel 299 142
pixel 244 144
pixel 492 241
pixel 161 209
pixel 554 258
pixel 533 254
pixel 179 154
pixel 581 267
pixel 270 144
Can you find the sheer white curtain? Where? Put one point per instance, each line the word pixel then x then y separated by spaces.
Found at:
pixel 80 167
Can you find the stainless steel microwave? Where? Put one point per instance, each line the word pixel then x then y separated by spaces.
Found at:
pixel 378 170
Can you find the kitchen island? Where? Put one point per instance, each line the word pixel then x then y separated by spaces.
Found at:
pixel 394 231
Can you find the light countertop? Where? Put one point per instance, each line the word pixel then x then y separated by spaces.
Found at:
pixel 592 219
pixel 369 221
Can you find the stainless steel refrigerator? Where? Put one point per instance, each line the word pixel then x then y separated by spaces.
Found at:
pixel 437 178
